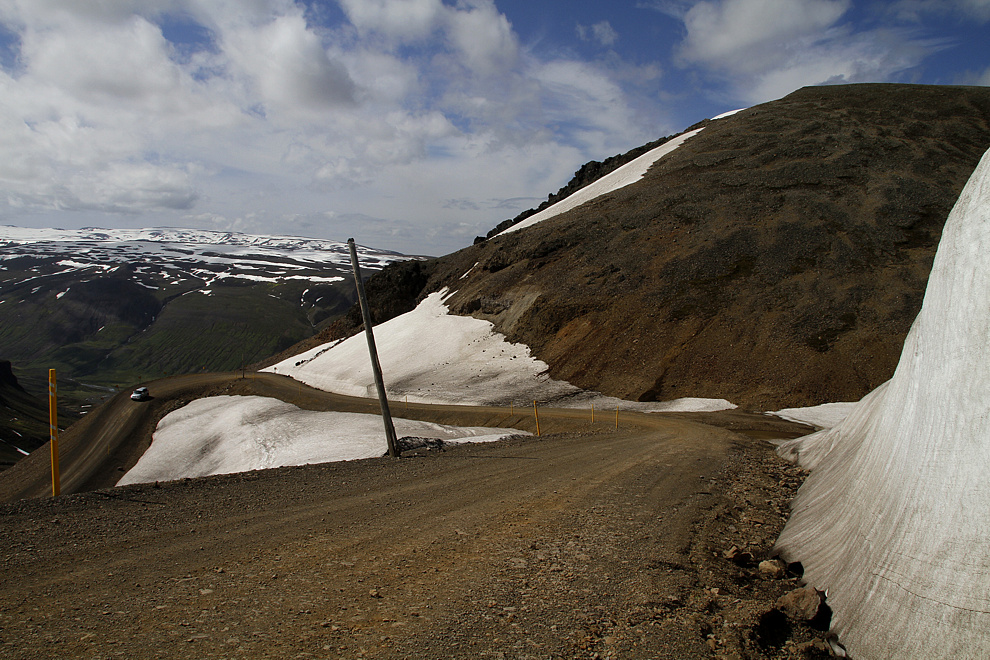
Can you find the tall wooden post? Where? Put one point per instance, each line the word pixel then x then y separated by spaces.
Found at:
pixel 53 431
pixel 375 366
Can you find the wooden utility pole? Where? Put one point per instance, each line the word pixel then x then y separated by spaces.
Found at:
pixel 375 366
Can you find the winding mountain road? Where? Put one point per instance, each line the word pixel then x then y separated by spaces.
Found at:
pixel 586 542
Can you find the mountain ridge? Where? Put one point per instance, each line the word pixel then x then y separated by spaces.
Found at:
pixel 776 259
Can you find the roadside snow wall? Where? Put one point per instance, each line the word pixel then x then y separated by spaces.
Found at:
pixel 894 521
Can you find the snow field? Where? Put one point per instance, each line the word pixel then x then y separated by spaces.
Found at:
pixel 226 434
pixel 432 356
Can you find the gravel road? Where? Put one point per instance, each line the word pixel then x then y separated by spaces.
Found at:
pixel 586 542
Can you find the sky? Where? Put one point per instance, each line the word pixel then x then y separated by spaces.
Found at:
pixel 411 125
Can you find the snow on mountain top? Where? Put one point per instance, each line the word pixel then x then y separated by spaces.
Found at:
pixel 121 245
pixel 432 356
pixel 621 177
pixel 225 434
pixel 892 522
pixel 727 114
pixel 629 173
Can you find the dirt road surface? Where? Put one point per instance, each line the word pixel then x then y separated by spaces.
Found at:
pixel 588 542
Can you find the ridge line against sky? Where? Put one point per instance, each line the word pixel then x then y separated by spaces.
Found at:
pixel 411 125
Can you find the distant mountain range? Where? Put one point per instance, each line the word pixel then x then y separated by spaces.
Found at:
pixel 110 308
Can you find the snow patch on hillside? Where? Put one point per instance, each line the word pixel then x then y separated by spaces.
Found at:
pixel 431 356
pixel 226 434
pixel 629 173
pixel 892 522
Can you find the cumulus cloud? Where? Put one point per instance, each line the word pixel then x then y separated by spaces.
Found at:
pixel 398 21
pixel 288 64
pixel 474 30
pixel 260 114
pixel 744 34
pixel 122 63
pixel 485 37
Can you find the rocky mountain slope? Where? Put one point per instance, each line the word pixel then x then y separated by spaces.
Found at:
pixel 775 259
pixel 23 419
pixel 110 308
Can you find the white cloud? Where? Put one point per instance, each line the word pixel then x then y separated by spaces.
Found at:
pixel 484 37
pixel 266 118
pixel 584 101
pixel 399 21
pixel 743 34
pixel 122 62
pixel 764 49
pixel 602 33
pixel 288 64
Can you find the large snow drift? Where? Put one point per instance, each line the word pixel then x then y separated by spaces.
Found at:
pixel 225 434
pixel 431 356
pixel 894 520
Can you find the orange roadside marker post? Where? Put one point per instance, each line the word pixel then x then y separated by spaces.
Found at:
pixel 536 413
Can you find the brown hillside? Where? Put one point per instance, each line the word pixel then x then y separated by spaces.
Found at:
pixel 776 259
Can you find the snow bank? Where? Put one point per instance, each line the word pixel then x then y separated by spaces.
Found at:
pixel 432 356
pixel 225 434
pixel 825 416
pixel 893 521
pixel 629 173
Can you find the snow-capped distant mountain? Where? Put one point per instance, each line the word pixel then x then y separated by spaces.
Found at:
pixel 117 306
pixel 170 254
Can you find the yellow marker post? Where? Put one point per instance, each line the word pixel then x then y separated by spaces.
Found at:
pixel 53 429
pixel 617 418
pixel 536 413
pixel 592 413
